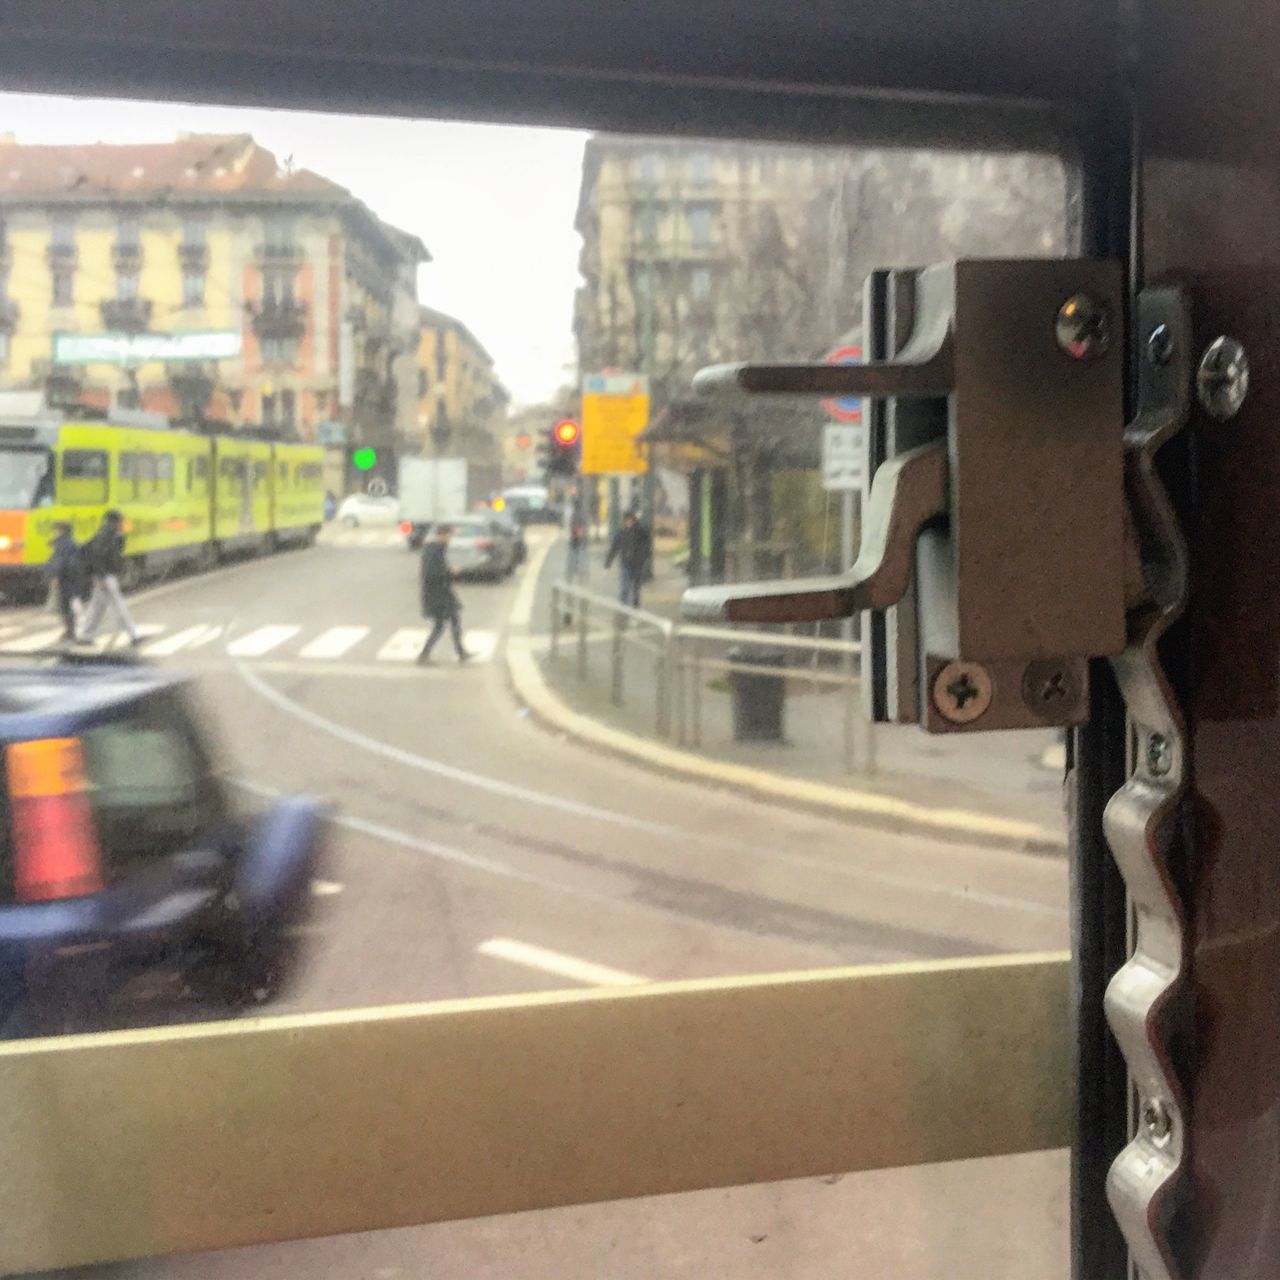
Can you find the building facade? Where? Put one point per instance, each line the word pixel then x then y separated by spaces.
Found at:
pixel 207 235
pixel 462 404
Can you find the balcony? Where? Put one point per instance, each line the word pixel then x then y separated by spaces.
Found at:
pixel 193 255
pixel 9 313
pixel 61 253
pixel 280 318
pixel 126 255
pixel 126 315
pixel 375 395
pixel 279 251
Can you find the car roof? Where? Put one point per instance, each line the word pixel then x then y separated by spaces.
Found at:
pixel 40 698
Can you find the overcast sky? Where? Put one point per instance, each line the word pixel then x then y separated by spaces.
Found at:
pixel 493 203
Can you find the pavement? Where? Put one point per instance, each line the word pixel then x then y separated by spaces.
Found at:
pixel 1005 787
pixel 478 853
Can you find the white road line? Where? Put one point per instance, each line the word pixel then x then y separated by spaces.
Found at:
pixel 480 644
pixel 10 631
pixel 145 629
pixel 334 642
pixel 211 634
pixel 261 641
pixel 563 966
pixel 326 888
pixel 179 640
pixel 31 643
pixel 404 645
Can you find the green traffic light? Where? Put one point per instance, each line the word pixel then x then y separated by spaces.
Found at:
pixel 364 459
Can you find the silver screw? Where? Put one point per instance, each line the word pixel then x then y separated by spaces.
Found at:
pixel 962 691
pixel 1160 345
pixel 1083 327
pixel 1159 755
pixel 1157 1121
pixel 1222 380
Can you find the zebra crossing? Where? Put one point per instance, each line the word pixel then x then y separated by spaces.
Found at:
pixel 362 538
pixel 273 642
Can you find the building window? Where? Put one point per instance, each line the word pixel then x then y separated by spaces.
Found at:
pixel 277 285
pixel 128 232
pixel 268 409
pixel 64 291
pixel 647 223
pixel 64 233
pixel 193 288
pixel 194 232
pixel 288 408
pixel 700 167
pixel 647 166
pixel 700 284
pixel 700 227
pixel 127 286
pixel 277 350
pixel 278 235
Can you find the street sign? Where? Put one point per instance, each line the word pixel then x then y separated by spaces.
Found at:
pixel 139 348
pixel 615 409
pixel 846 408
pixel 844 456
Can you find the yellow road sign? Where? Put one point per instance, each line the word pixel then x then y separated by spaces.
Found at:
pixel 615 409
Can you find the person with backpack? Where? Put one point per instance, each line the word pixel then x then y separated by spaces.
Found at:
pixel 104 554
pixel 65 571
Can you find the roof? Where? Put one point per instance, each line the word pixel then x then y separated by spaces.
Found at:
pixel 430 318
pixel 195 167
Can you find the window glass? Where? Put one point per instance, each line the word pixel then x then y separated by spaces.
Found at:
pixel 84 477
pixel 24 477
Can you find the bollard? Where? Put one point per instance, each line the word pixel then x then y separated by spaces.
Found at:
pixel 695 672
pixel 582 637
pixel 615 661
pixel 662 684
pixel 554 643
pixel 679 677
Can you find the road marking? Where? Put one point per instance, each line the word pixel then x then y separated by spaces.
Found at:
pixel 404 645
pixel 326 888
pixel 563 966
pixel 36 640
pixel 191 637
pixel 144 629
pixel 261 641
pixel 334 642
pixel 10 631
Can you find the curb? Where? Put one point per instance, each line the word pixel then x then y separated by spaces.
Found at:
pixel 866 808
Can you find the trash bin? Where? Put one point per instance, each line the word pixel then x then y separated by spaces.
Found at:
pixel 758 697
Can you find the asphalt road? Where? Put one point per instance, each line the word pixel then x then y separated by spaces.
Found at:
pixel 476 854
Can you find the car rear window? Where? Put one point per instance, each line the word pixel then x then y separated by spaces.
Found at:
pixel 150 786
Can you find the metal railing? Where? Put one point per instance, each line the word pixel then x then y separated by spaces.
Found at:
pixel 684 654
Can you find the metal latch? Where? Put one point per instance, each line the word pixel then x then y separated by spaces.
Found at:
pixel 993 547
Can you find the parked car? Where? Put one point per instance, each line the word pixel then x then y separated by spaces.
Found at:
pixel 123 860
pixel 530 504
pixel 360 509
pixel 482 547
pixel 515 531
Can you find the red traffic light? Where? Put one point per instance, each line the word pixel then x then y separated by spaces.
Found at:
pixel 523 441
pixel 566 432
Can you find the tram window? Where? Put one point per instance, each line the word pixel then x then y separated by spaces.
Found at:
pixel 231 472
pixel 146 482
pixel 198 477
pixel 84 477
pixel 259 473
pixel 127 477
pixel 164 475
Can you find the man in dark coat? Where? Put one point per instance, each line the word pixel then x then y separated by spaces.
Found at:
pixel 65 570
pixel 632 549
pixel 104 553
pixel 438 599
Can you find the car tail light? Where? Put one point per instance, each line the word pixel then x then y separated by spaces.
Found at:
pixel 56 853
pixel 484 544
pixel 406 527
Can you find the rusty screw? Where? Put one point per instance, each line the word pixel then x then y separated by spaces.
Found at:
pixel 1157 1121
pixel 1050 688
pixel 1222 380
pixel 1160 345
pixel 1083 327
pixel 1159 755
pixel 962 691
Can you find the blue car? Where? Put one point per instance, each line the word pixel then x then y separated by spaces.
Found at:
pixel 123 863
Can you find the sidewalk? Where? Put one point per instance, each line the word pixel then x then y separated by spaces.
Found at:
pixel 1013 777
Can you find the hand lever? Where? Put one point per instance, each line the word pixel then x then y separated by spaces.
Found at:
pixel 907 492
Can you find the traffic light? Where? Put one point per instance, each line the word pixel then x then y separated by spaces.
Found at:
pixel 364 459
pixel 562 449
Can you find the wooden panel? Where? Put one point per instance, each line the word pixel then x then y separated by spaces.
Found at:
pixel 160 1141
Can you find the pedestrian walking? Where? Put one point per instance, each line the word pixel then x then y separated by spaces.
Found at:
pixel 633 549
pixel 439 600
pixel 65 571
pixel 104 557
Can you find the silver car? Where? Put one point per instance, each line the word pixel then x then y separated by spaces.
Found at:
pixel 482 547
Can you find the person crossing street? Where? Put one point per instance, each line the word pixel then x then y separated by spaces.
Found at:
pixel 439 600
pixel 104 557
pixel 67 577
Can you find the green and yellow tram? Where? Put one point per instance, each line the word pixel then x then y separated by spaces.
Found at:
pixel 188 499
